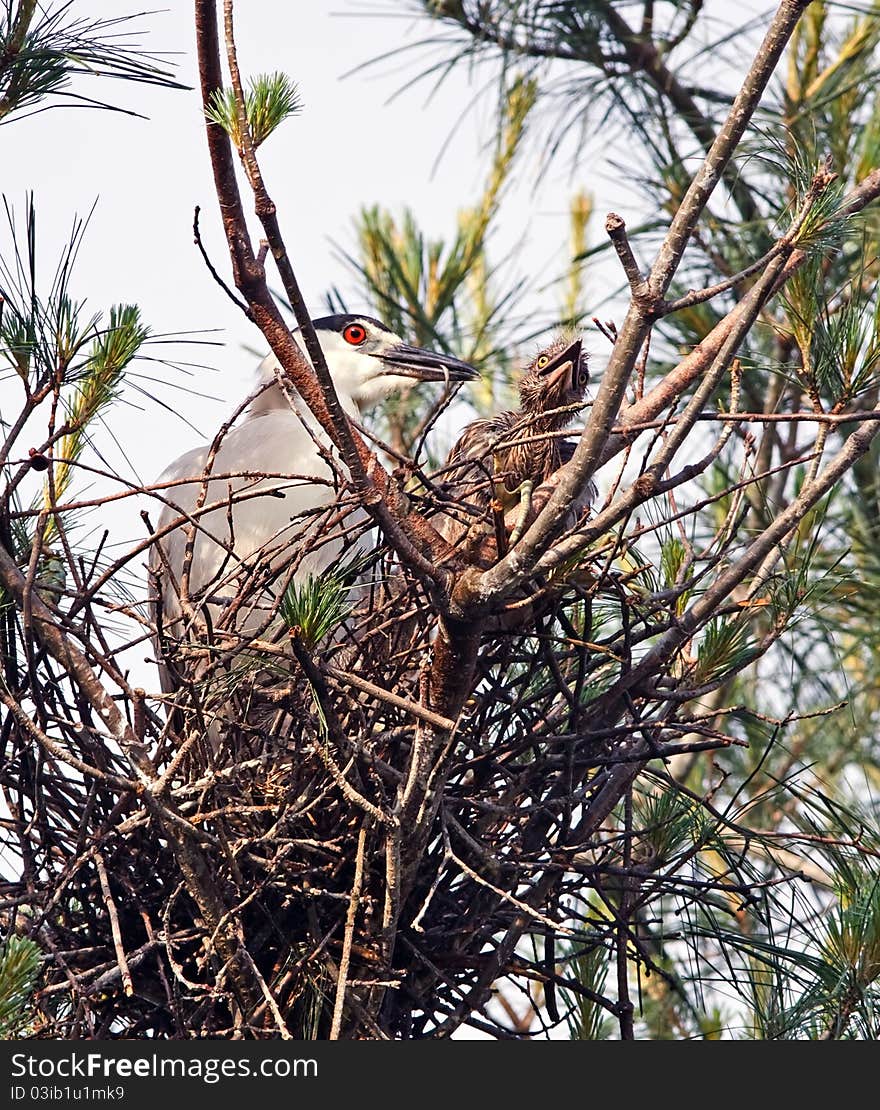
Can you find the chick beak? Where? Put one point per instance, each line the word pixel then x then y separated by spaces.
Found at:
pixel 566 362
pixel 404 361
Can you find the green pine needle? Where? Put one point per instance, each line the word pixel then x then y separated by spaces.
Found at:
pixel 44 47
pixel 725 649
pixel 852 945
pixel 587 1020
pixel 111 352
pixel 19 966
pixel 320 603
pixel 269 100
pixel 672 560
pixel 669 821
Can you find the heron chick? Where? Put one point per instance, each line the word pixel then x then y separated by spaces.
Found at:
pixel 499 461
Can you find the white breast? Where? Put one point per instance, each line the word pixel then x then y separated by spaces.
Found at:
pixel 256 530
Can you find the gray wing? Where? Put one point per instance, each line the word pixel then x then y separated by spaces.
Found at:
pixel 268 505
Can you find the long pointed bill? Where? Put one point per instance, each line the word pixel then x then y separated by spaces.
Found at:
pixel 403 361
pixel 567 361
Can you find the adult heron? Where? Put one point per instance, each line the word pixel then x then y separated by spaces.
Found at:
pixel 265 503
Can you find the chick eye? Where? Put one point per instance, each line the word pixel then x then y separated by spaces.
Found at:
pixel 582 377
pixel 542 361
pixel 354 334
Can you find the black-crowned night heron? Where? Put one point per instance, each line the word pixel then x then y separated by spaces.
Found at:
pixel 504 462
pixel 271 507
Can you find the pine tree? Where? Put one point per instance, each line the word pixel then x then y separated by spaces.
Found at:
pixel 619 780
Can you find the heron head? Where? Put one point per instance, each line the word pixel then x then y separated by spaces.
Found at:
pixel 557 376
pixel 367 361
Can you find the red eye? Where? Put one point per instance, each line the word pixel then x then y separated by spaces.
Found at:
pixel 354 334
